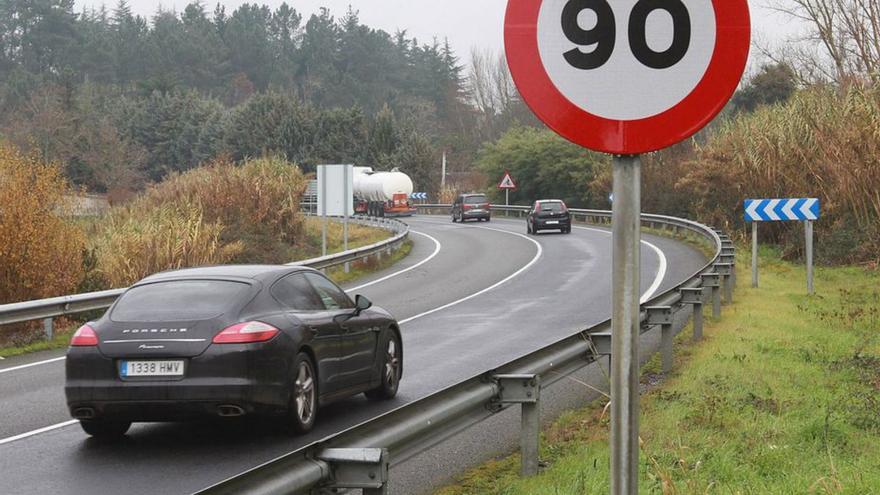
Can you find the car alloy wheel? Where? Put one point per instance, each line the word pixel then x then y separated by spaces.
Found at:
pixel 391 369
pixel 392 364
pixel 304 395
pixel 304 388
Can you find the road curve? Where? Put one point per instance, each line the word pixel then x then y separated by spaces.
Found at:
pixel 472 297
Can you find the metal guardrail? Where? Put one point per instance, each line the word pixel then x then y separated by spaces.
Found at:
pixel 46 309
pixel 360 457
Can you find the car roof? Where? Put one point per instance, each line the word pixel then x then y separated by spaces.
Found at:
pixel 228 272
pixel 472 194
pixel 550 201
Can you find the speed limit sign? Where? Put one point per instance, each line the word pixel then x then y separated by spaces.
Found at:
pixel 627 76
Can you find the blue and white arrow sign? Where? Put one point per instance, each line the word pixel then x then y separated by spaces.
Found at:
pixel 781 210
pixel 418 195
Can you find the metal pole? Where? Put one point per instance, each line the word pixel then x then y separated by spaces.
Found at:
pixel 443 177
pixel 755 255
pixel 346 203
pixel 323 176
pixel 530 440
pixel 625 326
pixel 808 227
pixel 698 322
pixel 507 197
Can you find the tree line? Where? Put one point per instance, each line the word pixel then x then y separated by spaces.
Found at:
pixel 121 100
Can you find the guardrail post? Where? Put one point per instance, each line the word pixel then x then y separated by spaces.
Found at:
pixel 730 259
pixel 713 281
pixel 725 269
pixel 729 250
pixel 694 297
pixel 664 317
pixel 49 328
pixel 366 469
pixel 526 391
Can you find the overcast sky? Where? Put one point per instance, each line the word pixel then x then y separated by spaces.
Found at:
pixel 467 23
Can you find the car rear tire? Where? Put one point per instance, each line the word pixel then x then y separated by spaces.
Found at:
pixel 104 429
pixel 304 395
pixel 391 368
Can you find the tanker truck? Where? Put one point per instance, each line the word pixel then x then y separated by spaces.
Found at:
pixel 379 194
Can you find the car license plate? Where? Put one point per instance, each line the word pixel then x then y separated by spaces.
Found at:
pixel 128 369
pixel 553 222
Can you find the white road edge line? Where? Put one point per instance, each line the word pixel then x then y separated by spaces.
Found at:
pixel 37 432
pixel 661 269
pixel 655 285
pixel 38 363
pixel 437 248
pixel 487 289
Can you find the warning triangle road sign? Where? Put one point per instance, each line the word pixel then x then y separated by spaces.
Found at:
pixel 507 182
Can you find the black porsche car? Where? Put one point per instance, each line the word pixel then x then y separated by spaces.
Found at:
pixel 229 341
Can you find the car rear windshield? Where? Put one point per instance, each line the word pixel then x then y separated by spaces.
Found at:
pixel 183 300
pixel 552 206
pixel 475 200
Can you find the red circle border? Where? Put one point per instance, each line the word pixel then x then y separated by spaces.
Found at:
pixel 628 137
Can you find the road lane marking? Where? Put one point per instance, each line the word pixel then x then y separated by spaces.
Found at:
pixel 658 278
pixel 437 248
pixel 38 363
pixel 37 432
pixel 661 269
pixel 487 289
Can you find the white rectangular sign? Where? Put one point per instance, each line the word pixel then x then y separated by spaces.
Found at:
pixel 335 190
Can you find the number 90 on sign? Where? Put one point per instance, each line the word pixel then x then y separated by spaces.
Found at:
pixel 662 46
pixel 627 76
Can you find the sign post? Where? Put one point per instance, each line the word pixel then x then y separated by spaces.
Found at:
pixel 609 76
pixel 805 210
pixel 507 184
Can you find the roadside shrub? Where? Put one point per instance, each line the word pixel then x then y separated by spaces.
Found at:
pixel 257 202
pixel 40 249
pixel 136 243
pixel 825 143
pixel 221 213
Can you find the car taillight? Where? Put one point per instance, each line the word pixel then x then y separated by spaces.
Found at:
pixel 84 337
pixel 467 207
pixel 538 208
pixel 564 208
pixel 486 206
pixel 246 333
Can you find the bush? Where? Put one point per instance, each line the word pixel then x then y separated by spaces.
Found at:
pixel 823 143
pixel 34 235
pixel 221 213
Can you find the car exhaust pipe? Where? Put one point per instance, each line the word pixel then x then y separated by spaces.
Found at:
pixel 84 413
pixel 230 411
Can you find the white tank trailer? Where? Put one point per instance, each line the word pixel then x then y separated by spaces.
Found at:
pixel 382 193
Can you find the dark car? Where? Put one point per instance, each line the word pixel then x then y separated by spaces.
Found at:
pixel 471 206
pixel 229 341
pixel 547 214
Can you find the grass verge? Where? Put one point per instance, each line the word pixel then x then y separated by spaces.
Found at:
pixel 783 396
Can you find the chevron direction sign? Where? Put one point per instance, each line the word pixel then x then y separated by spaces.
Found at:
pixel 781 210
pixel 418 195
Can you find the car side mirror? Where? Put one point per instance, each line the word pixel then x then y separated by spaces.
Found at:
pixel 362 304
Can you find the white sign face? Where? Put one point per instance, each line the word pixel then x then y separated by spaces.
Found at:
pixel 626 59
pixel 335 190
pixel 507 183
